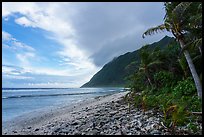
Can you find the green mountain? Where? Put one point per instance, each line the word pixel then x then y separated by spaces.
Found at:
pixel 113 73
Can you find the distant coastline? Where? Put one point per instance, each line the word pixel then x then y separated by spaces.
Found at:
pixel 61 88
pixel 31 88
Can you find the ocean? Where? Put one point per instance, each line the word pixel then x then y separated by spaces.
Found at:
pixel 19 101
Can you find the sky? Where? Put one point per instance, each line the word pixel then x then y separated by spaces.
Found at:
pixel 62 45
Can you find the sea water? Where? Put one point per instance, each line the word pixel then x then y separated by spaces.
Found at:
pixel 19 101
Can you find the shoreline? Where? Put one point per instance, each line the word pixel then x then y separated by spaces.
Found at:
pixel 42 117
pixel 102 115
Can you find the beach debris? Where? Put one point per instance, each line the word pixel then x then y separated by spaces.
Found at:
pixel 29 127
pixel 37 129
pixel 14 131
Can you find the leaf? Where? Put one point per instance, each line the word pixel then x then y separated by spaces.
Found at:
pixel 181 8
pixel 151 31
pixel 154 63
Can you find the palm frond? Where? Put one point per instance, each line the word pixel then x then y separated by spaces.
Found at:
pixel 196 58
pixel 157 62
pixel 154 30
pixel 195 43
pixel 186 46
pixel 181 7
pixel 141 68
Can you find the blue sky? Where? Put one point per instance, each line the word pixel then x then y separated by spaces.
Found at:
pixel 65 44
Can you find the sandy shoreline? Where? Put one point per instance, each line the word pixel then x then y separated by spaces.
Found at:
pixel 28 123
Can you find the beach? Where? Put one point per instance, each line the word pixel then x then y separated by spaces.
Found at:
pixel 104 115
pixel 27 124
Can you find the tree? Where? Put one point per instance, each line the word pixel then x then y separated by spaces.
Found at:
pixel 181 25
pixel 148 62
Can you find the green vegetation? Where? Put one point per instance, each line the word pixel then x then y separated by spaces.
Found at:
pixel 169 79
pixel 184 21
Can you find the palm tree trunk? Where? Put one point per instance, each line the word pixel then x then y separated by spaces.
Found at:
pixel 192 69
pixel 200 49
pixel 148 78
pixel 183 68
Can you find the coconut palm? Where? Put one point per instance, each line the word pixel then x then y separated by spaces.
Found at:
pixel 192 23
pixel 177 22
pixel 148 62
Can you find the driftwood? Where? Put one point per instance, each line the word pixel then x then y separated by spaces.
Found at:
pixel 197 113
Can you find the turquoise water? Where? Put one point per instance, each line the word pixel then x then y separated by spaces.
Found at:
pixel 16 102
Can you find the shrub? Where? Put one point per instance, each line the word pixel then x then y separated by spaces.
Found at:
pixel 195 104
pixel 137 101
pixel 136 82
pixel 164 78
pixel 151 101
pixel 166 89
pixel 185 87
pixel 193 127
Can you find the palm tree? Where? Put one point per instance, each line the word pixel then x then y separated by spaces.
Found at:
pixel 148 62
pixel 176 22
pixel 192 24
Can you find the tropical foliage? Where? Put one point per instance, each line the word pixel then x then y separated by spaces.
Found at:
pixel 184 21
pixel 169 79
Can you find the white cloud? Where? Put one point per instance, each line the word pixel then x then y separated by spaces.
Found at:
pixel 14 43
pixel 52 84
pixel 49 17
pixel 42 15
pixel 9 8
pixel 24 58
pixel 16 77
pixel 8 70
pixel 52 72
pixel 41 77
pixel 17 44
pixel 5 46
pixel 6 36
pixel 12 72
pixel 24 53
pixel 25 22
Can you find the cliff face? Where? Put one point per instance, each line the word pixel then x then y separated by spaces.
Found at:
pixel 113 73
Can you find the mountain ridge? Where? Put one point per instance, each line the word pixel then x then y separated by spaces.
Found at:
pixel 114 72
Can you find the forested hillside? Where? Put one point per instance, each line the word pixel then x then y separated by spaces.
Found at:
pixel 113 74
